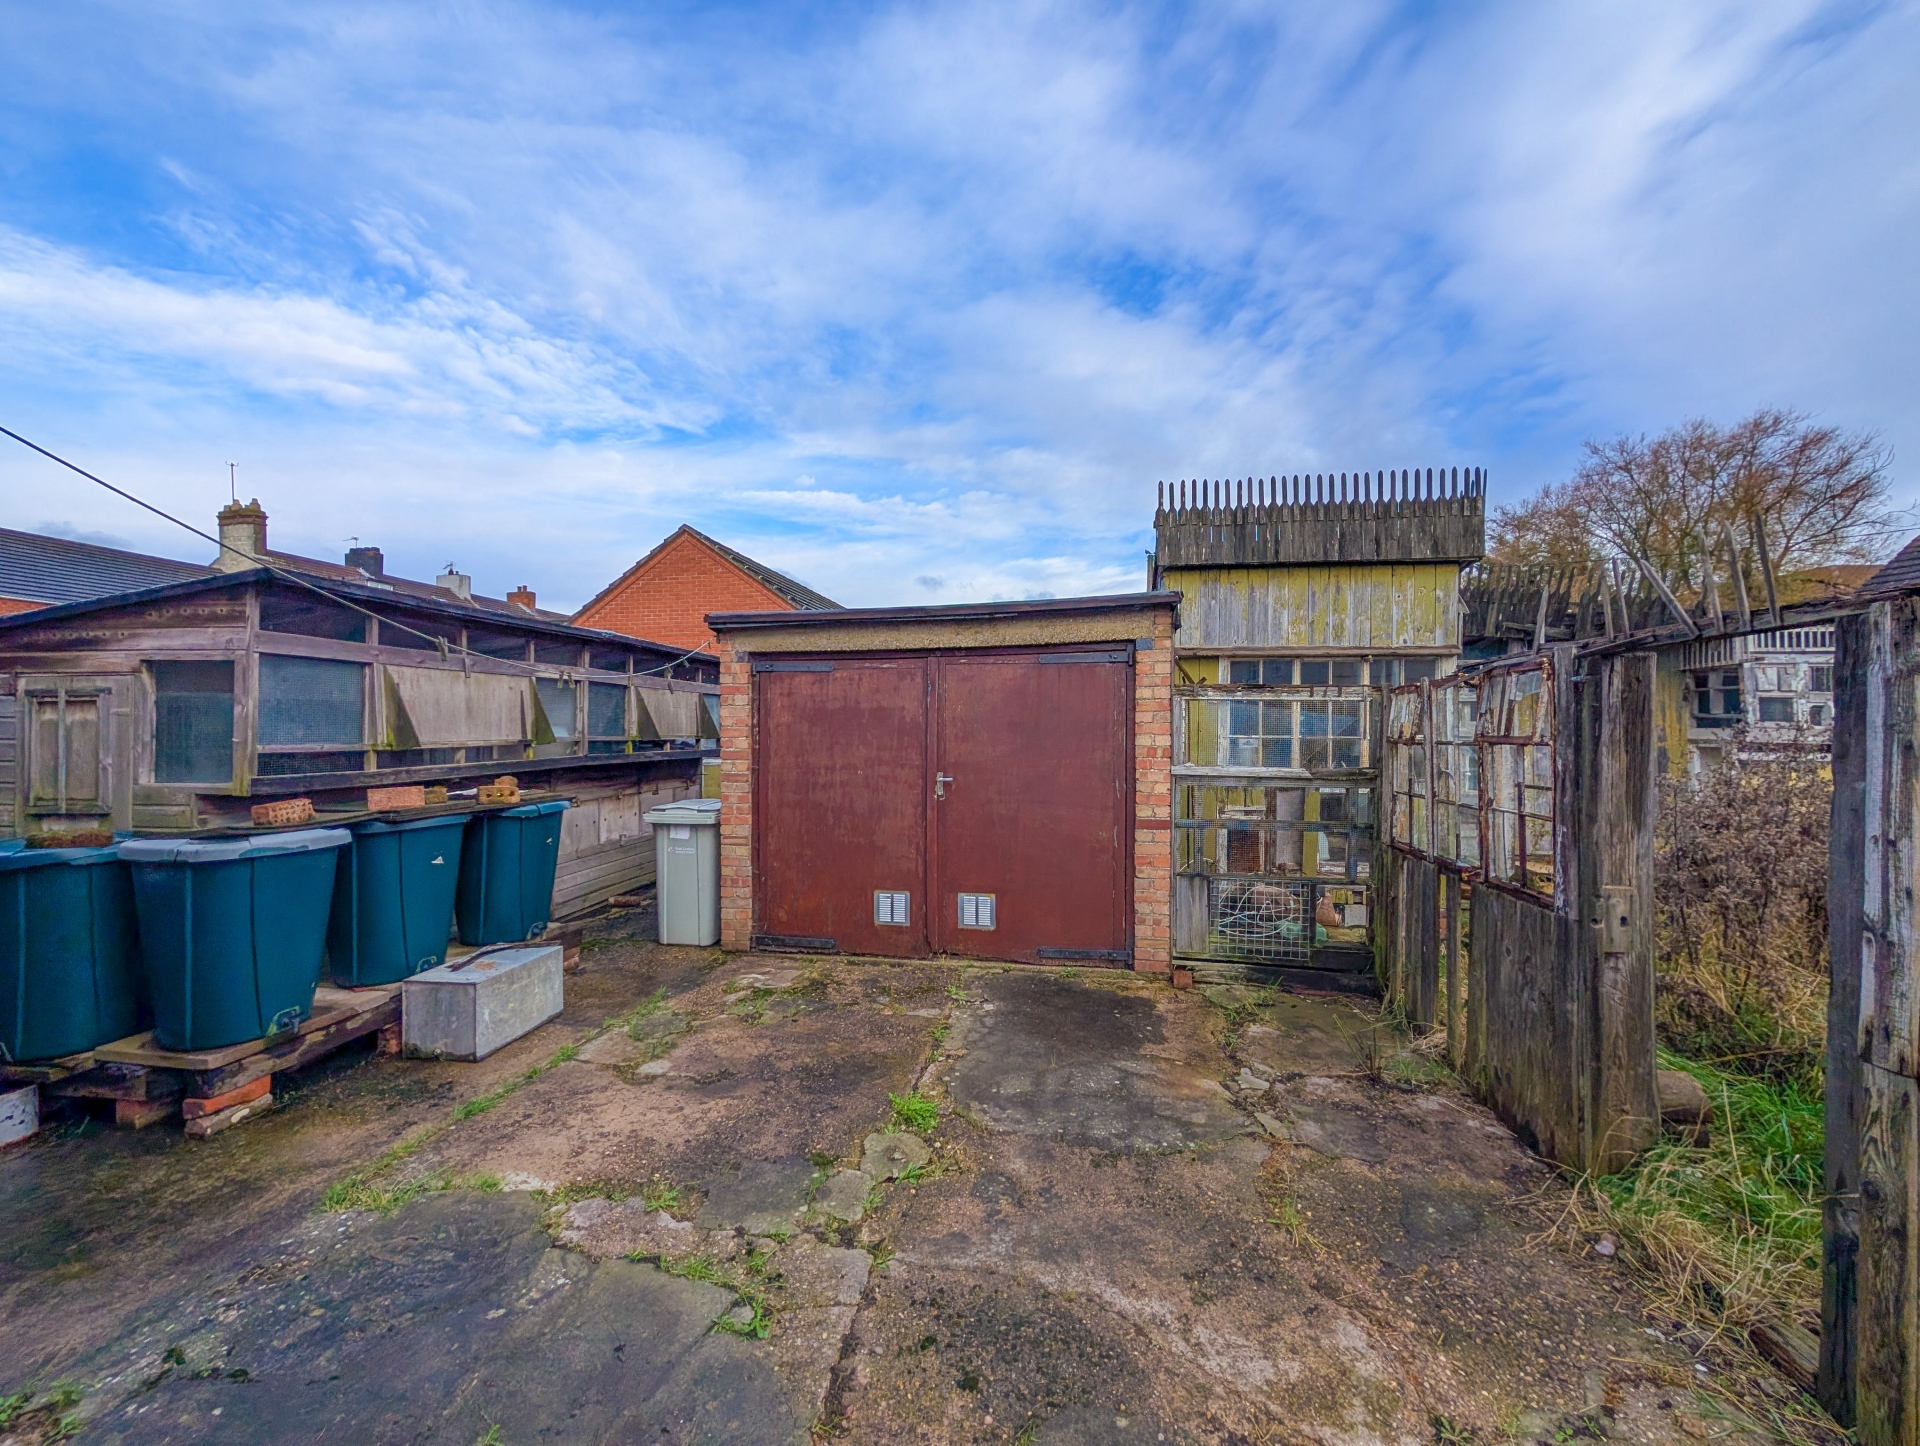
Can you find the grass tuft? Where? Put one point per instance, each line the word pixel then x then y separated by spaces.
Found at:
pixel 914 1111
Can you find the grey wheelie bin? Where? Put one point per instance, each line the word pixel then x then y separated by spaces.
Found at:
pixel 686 860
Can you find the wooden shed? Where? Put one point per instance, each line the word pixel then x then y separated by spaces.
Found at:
pixel 176 708
pixel 990 781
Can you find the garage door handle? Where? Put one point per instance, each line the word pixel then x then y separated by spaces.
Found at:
pixel 940 782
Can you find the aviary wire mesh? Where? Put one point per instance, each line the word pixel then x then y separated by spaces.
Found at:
pixel 1260 918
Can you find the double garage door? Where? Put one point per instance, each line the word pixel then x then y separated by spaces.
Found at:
pixel 978 804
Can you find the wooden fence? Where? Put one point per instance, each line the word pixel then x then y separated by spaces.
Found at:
pixel 1516 891
pixel 1870 1327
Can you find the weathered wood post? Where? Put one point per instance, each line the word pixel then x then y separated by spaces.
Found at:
pixel 1870 1336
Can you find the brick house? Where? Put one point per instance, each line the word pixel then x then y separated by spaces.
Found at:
pixel 666 595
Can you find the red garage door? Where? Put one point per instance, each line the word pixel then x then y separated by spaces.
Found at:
pixel 976 804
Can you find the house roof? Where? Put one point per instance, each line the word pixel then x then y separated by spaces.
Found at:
pixel 795 593
pixel 42 569
pixel 435 601
pixel 408 588
pixel 1900 575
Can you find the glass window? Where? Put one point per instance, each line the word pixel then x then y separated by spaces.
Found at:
pixel 417 632
pixel 1260 735
pixel 311 700
pixel 560 701
pixel 1415 670
pixel 193 722
pixel 1817 715
pixel 606 710
pixel 1277 672
pixel 491 644
pixel 1243 670
pixel 557 652
pixel 1313 672
pixel 1822 679
pixel 1347 672
pixel 1333 735
pixel 1776 708
pixel 608 660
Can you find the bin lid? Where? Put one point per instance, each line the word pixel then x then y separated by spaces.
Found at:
pixel 221 850
pixel 388 825
pixel 686 810
pixel 534 810
pixel 26 858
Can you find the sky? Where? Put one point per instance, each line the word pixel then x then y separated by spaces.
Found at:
pixel 918 303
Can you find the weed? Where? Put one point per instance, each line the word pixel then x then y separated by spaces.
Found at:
pixel 1029 1433
pixel 561 1196
pixel 915 1111
pixel 958 994
pixel 644 1010
pixel 1068 975
pixel 821 1160
pixel 663 1195
pixel 490 1438
pixel 1287 1219
pixel 11 1406
pixel 1447 1432
pixel 940 1032
pixel 360 1192
pixel 480 1104
pixel 882 1254
pixel 755 1327
pixel 915 1174
pixel 692 1267
pixel 873 1199
pixel 492 1184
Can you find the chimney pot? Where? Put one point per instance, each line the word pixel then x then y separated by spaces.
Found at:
pixel 243 537
pixel 522 596
pixel 369 560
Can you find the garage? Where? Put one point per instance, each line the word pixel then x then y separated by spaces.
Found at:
pixel 989 782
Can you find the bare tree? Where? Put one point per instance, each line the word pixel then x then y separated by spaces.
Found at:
pixel 1819 492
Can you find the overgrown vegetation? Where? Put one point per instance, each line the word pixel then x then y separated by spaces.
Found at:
pixel 1741 914
pixel 1727 1234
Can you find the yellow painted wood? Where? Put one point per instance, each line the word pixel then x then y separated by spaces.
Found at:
pixel 1375 608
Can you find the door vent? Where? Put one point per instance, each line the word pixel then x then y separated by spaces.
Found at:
pixel 976 911
pixel 891 907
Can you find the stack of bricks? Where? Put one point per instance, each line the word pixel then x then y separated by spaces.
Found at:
pixel 736 799
pixel 1153 800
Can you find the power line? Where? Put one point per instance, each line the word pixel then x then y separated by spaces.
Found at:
pixel 442 645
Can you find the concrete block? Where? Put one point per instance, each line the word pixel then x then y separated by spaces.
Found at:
pixel 473 1006
pixel 19 1114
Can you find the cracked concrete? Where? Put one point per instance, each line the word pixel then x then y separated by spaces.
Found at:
pixel 1143 1216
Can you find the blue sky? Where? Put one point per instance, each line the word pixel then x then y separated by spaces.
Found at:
pixel 919 302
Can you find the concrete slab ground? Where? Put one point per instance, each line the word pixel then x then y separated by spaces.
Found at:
pixel 782 1199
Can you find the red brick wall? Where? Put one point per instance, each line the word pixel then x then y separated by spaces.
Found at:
pixel 736 800
pixel 1152 807
pixel 668 600
pixel 17 605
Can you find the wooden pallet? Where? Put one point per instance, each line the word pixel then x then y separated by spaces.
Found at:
pixel 339 1016
pixel 49 1071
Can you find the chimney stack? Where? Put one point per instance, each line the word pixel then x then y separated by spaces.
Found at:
pixel 457 583
pixel 368 559
pixel 243 526
pixel 522 597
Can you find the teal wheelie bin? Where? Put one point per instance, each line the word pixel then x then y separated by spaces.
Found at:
pixel 69 952
pixel 507 865
pixel 232 931
pixel 393 900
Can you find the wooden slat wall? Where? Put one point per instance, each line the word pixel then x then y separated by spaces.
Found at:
pixel 1870 1339
pixel 9 760
pixel 1384 606
pixel 1553 1028
pixel 606 847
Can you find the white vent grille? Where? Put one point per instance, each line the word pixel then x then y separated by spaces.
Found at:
pixel 891 907
pixel 976 911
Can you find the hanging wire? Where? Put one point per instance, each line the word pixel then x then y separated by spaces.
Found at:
pixel 443 645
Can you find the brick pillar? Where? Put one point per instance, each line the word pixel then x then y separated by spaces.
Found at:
pixel 736 798
pixel 1153 800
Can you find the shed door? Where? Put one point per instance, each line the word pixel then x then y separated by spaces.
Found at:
pixel 1033 804
pixel 840 806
